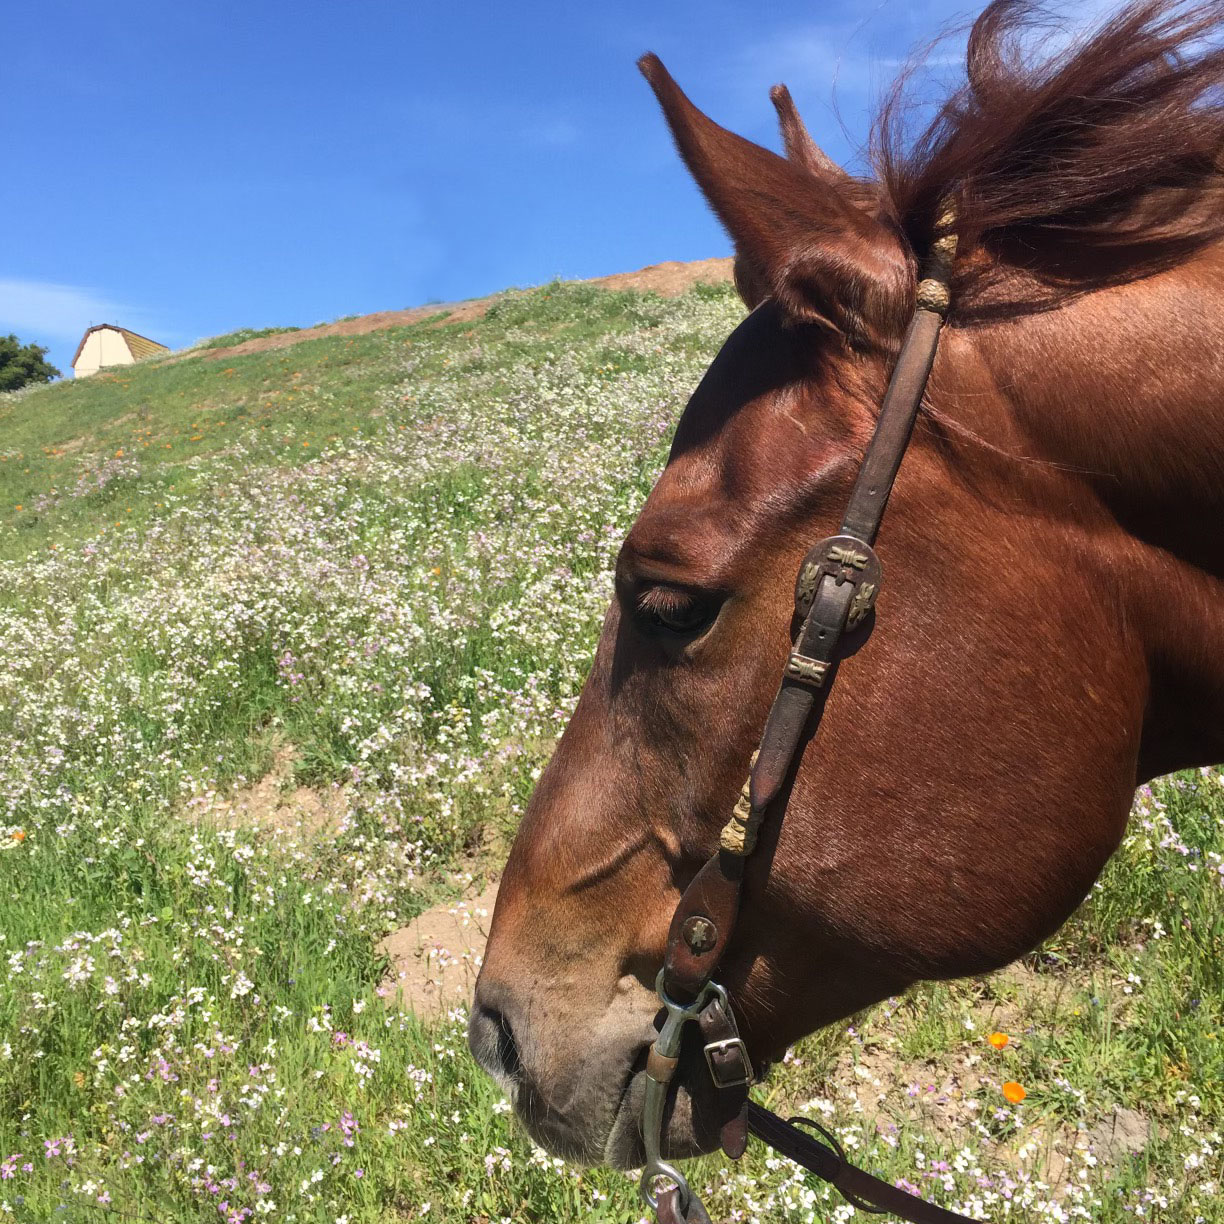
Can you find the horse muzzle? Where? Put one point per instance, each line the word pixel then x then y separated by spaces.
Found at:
pixel 579 1087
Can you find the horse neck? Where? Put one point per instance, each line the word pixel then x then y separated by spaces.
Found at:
pixel 1114 400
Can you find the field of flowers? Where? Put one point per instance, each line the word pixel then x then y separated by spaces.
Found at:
pixel 386 558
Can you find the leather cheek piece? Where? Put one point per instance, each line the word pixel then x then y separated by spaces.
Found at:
pixel 713 894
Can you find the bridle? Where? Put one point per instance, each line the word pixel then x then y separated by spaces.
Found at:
pixel 834 593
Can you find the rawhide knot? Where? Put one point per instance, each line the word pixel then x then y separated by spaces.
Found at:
pixel 934 292
pixel 739 834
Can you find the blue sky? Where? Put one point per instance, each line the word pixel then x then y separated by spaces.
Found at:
pixel 187 169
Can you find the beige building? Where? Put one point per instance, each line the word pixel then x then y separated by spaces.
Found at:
pixel 107 344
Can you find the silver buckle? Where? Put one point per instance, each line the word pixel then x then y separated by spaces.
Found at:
pixel 729 1043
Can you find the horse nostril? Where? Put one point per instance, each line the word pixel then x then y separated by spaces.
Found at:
pixel 507 1047
pixel 492 1041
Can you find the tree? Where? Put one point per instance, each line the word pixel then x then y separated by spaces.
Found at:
pixel 21 364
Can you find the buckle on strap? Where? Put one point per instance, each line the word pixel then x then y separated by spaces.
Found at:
pixel 844 558
pixel 726 1054
pixel 730 1066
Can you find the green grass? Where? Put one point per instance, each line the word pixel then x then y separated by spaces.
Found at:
pixel 86 456
pixel 230 339
pixel 382 560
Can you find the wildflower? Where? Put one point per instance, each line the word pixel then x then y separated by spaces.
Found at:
pixel 998 1040
pixel 1014 1092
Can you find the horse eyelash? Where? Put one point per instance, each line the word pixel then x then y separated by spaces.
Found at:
pixel 664 601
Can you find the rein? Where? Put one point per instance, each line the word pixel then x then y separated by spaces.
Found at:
pixel 835 592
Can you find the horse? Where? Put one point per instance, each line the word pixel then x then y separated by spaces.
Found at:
pixel 1051 631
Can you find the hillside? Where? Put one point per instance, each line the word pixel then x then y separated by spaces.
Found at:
pixel 72 440
pixel 287 631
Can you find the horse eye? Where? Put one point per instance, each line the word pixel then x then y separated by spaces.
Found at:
pixel 668 610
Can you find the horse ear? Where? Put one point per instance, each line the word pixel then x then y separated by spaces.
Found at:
pixel 799 235
pixel 801 149
pixel 797 141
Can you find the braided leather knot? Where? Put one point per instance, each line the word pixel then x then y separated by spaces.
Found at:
pixel 934 292
pixel 740 832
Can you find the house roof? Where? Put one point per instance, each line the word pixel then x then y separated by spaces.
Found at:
pixel 139 346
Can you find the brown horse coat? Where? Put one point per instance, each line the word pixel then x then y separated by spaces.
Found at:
pixel 1051 626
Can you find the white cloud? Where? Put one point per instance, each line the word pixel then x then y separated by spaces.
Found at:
pixel 54 310
pixel 858 51
pixel 820 56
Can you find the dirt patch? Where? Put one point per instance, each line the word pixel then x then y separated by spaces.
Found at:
pixel 668 279
pixel 292 814
pixel 75 444
pixel 436 957
pixel 1125 1132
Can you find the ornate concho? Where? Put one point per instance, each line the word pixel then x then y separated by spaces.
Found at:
pixel 844 559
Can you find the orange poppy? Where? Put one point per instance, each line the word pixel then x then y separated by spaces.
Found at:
pixel 1014 1092
pixel 998 1040
pixel 20 835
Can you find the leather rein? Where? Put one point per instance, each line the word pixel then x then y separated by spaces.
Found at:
pixel 835 591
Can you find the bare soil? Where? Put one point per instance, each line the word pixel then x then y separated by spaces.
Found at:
pixel 286 813
pixel 435 958
pixel 667 279
pixel 943 1093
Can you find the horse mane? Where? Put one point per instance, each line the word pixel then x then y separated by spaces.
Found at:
pixel 1096 162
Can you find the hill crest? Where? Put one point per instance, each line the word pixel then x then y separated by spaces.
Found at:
pixel 668 279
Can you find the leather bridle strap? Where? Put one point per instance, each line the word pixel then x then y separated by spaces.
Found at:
pixel 826 1161
pixel 835 592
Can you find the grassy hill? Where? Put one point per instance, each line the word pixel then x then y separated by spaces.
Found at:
pixel 374 566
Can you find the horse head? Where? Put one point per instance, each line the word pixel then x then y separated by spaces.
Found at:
pixel 974 767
